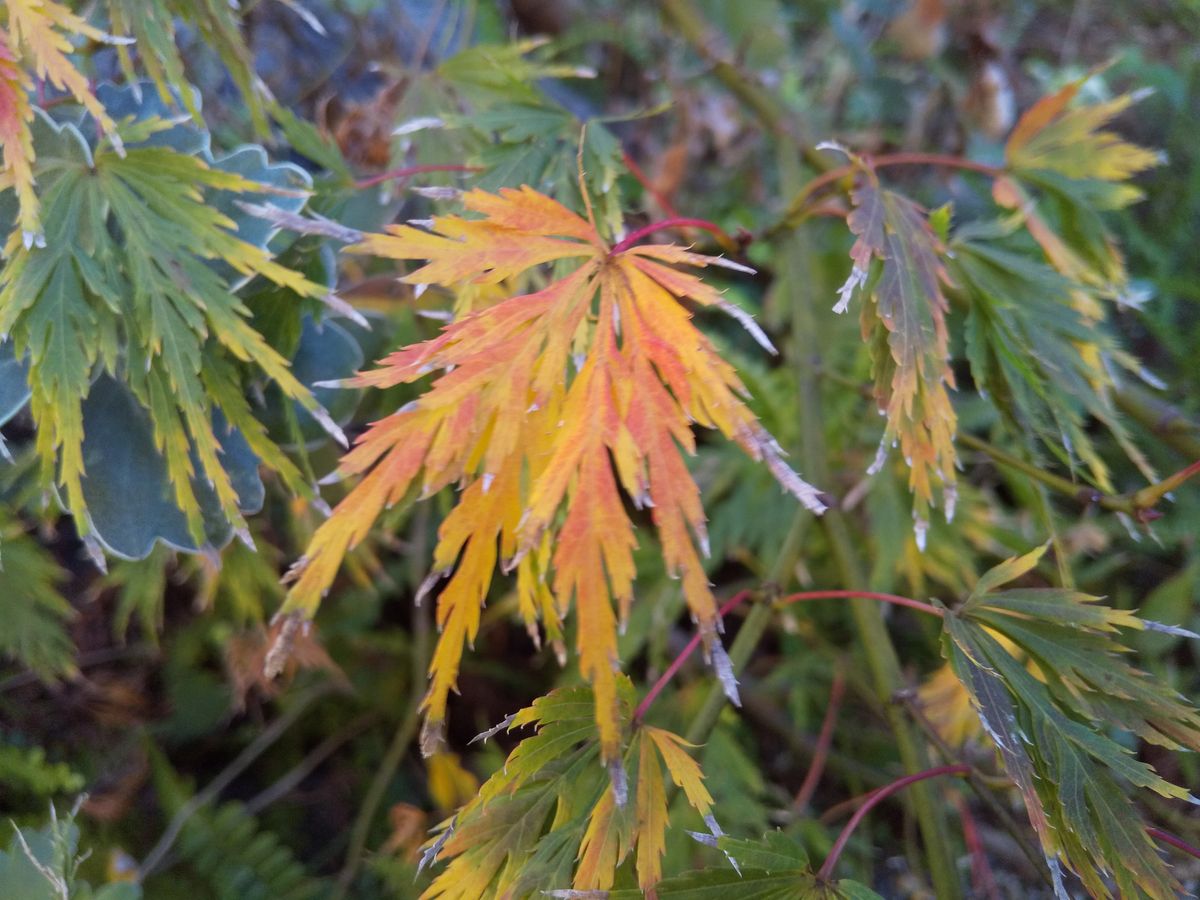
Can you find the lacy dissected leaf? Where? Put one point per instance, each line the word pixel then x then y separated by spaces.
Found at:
pixel 772 868
pixel 544 409
pixel 36 40
pixel 1034 353
pixel 137 276
pixel 1046 674
pixel 1055 135
pixel 1076 169
pixel 905 327
pixel 16 142
pixel 512 128
pixel 550 820
pixel 151 28
pixel 1064 171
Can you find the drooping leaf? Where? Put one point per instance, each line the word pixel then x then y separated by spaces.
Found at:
pixel 1060 151
pixel 1045 673
pixel 547 406
pixel 1034 353
pixel 905 327
pixel 16 142
pixel 548 819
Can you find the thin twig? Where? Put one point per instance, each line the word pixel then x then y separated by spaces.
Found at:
pixel 981 871
pixel 269 736
pixel 1138 504
pixel 409 171
pixel 659 197
pixel 894 599
pixel 636 235
pixel 1178 843
pixel 798 203
pixel 676 664
pixel 874 800
pixel 392 757
pixel 290 779
pixel 737 599
pixel 824 740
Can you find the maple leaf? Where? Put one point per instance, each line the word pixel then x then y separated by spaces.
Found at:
pixel 775 867
pixel 15 138
pixel 1063 171
pixel 1062 150
pixel 1038 357
pixel 1046 676
pixel 138 272
pixel 37 35
pixel 543 454
pixel 506 843
pixel 905 326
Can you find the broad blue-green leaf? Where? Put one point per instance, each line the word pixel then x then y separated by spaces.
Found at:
pixel 130 501
pixel 14 384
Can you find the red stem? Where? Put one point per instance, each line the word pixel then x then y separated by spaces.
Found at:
pixel 677 222
pixel 824 740
pixel 895 599
pixel 730 605
pixel 737 599
pixel 897 159
pixel 409 171
pixel 659 197
pixel 1178 843
pixel 981 872
pixel 874 800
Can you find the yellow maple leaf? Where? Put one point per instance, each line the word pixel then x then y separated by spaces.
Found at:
pixel 15 138
pixel 37 39
pixel 544 408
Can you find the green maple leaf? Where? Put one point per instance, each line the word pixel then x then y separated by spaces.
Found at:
pixel 1051 684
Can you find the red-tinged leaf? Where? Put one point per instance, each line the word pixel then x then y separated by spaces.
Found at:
pixel 651 818
pixel 16 141
pixel 543 408
pixel 1052 686
pixel 1058 136
pixel 906 328
pixel 605 844
pixel 39 33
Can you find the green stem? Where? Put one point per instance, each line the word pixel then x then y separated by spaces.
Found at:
pixel 1139 504
pixel 748 636
pixel 766 107
pixel 868 616
pixel 392 757
pixel 1164 421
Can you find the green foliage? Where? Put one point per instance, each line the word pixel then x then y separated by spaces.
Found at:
pixel 773 868
pixel 43 865
pixel 231 853
pixel 25 771
pixel 34 611
pixel 143 255
pixel 177 329
pixel 1045 673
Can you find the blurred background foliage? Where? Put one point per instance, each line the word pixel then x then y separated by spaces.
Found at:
pixel 142 686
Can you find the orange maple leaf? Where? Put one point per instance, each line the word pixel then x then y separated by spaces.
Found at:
pixel 38 39
pixel 545 407
pixel 16 141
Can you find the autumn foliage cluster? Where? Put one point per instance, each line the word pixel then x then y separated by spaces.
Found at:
pixel 473 401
